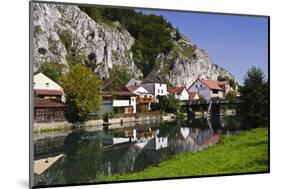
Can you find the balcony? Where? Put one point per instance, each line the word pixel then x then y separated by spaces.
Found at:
pixel 145 100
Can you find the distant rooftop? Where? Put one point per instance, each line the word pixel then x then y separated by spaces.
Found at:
pixel 153 77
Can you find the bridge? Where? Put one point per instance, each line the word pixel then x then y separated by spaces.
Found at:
pixel 213 106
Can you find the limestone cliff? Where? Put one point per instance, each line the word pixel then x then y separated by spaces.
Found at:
pixel 111 45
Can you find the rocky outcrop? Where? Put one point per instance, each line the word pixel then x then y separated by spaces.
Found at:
pixel 110 44
pixel 186 62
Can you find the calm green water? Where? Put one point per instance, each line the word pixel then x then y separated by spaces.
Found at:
pixel 93 153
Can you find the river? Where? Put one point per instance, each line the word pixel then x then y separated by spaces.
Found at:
pixel 82 155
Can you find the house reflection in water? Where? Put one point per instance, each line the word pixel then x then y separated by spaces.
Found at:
pixel 133 149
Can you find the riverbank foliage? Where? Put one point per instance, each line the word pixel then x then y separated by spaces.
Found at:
pixel 254 108
pixel 242 153
pixel 82 89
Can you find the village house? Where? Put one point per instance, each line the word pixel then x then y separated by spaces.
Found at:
pixel 209 88
pixel 48 100
pixel 46 88
pixel 154 84
pixel 120 102
pixel 179 93
pixel 117 100
pixel 144 98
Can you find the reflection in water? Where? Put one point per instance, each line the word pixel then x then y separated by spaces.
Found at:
pixel 89 154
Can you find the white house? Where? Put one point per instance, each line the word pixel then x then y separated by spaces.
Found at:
pixel 154 84
pixel 119 102
pixel 207 89
pixel 46 88
pixel 179 93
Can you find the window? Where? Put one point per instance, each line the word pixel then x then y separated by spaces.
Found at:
pixel 34 83
pixel 215 91
pixel 201 85
pixel 47 84
pixel 196 86
pixel 162 91
pixel 158 90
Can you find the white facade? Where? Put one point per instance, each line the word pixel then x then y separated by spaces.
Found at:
pixel 121 103
pixel 201 89
pixel 157 89
pixel 142 92
pixel 42 82
pixel 182 96
pixel 126 103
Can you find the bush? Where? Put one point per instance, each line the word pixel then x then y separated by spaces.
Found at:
pixel 82 89
pixel 108 115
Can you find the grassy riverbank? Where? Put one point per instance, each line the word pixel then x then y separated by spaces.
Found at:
pixel 242 153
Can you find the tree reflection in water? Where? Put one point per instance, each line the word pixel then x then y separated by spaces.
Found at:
pixel 82 158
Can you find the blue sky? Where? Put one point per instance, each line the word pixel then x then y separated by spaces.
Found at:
pixel 236 43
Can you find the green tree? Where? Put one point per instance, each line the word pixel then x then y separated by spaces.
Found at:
pixel 52 70
pixel 168 104
pixel 254 94
pixel 83 92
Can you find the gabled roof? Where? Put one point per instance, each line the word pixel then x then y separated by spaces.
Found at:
pixel 153 77
pixel 133 82
pixel 175 90
pixel 211 84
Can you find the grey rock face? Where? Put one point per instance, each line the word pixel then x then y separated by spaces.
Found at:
pixel 188 67
pixel 111 44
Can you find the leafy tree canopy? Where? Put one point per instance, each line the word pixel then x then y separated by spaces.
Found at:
pixel 51 70
pixel 254 94
pixel 83 92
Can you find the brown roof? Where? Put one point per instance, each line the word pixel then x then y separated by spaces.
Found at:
pixel 47 92
pixel 117 93
pixel 47 103
pixel 192 94
pixel 212 84
pixel 175 90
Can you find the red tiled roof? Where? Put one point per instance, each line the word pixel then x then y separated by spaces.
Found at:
pixel 175 90
pixel 47 92
pixel 211 84
pixel 47 103
pixel 223 82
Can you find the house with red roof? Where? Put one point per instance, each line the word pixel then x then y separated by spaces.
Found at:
pixel 179 93
pixel 209 88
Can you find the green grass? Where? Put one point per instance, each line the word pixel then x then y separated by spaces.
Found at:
pixel 242 153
